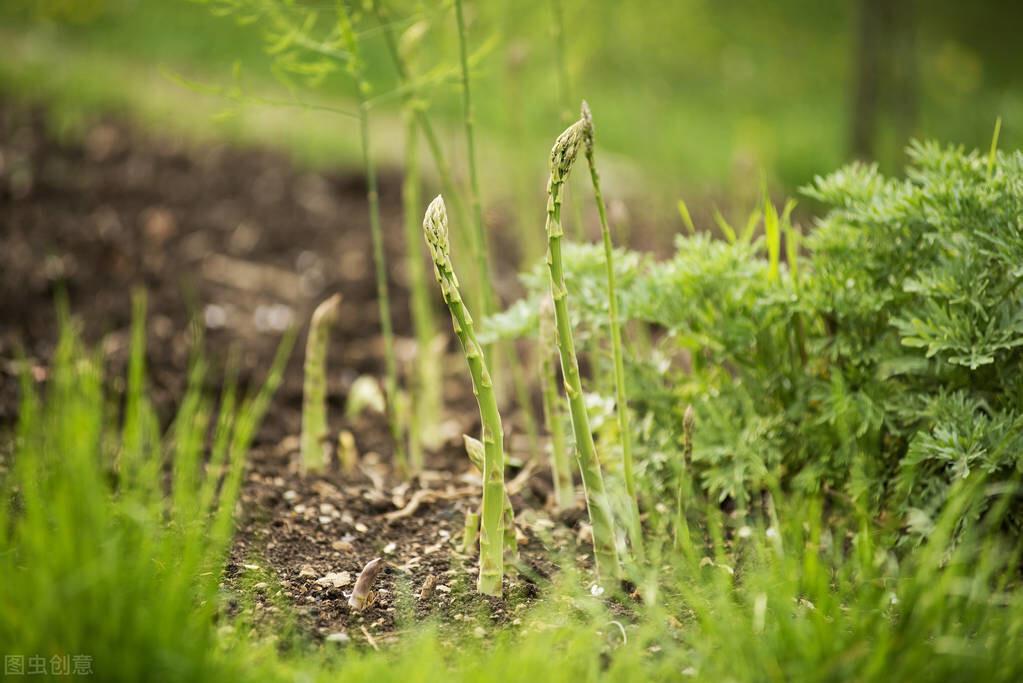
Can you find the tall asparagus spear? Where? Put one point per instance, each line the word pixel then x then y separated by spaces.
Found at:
pixel 605 550
pixel 435 228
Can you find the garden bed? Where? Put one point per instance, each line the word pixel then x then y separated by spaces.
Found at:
pixel 246 244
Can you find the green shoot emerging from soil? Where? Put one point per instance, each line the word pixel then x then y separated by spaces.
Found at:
pixel 314 396
pixel 435 228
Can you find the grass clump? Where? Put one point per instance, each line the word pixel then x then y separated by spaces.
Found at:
pixel 114 535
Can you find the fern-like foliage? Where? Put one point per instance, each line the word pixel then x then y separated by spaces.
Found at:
pixel 889 368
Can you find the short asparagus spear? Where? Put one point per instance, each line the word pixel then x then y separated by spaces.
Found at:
pixel 435 228
pixel 561 471
pixel 563 156
pixel 314 393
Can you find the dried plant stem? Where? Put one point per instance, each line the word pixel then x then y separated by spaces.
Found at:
pixel 435 228
pixel 481 243
pixel 561 471
pixel 621 395
pixel 314 390
pixel 605 549
pixel 356 70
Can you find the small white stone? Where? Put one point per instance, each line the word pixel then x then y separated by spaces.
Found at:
pixel 335 579
pixel 390 548
pixel 340 637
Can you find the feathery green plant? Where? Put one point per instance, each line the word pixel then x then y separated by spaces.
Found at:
pixel 605 547
pixel 621 395
pixel 314 395
pixel 435 229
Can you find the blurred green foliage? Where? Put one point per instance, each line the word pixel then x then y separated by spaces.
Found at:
pixel 692 91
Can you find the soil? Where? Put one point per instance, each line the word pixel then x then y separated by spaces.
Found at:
pixel 245 243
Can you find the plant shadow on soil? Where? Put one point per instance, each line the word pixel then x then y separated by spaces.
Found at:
pixel 245 244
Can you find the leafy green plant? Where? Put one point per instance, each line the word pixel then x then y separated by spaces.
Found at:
pixel 878 367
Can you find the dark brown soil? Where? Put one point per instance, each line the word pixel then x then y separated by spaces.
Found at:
pixel 245 243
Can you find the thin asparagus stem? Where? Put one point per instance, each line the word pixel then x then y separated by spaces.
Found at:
pixel 435 228
pixel 414 104
pixel 561 471
pixel 426 406
pixel 356 69
pixel 682 539
pixel 481 243
pixel 605 549
pixel 314 390
pixel 621 396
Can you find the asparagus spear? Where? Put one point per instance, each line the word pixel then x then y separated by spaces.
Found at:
pixel 435 228
pixel 314 390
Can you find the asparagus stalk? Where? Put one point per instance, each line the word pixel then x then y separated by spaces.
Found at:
pixel 621 397
pixel 362 594
pixel 561 471
pixel 314 391
pixel 563 156
pixel 471 532
pixel 682 539
pixel 356 69
pixel 476 453
pixel 481 243
pixel 435 228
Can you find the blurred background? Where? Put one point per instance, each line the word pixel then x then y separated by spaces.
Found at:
pixel 697 98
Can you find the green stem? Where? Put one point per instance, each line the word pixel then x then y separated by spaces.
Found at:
pixel 383 296
pixel 356 69
pixel 481 243
pixel 413 104
pixel 685 488
pixel 621 397
pixel 561 472
pixel 435 228
pixel 314 390
pixel 428 380
pixel 477 452
pixel 605 549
